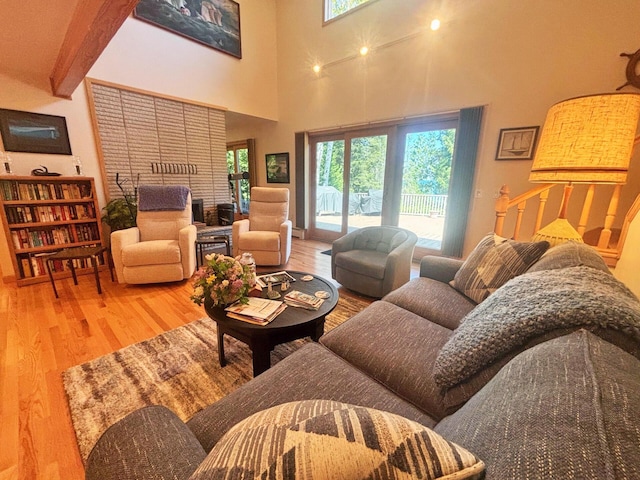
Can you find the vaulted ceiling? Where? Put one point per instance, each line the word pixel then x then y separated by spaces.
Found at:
pixel 57 40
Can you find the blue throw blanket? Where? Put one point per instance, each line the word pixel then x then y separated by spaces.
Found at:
pixel 162 197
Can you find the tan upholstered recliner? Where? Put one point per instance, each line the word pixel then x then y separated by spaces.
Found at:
pixel 267 232
pixel 373 260
pixel 161 247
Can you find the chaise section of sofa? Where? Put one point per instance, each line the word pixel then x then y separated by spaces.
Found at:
pixel 556 398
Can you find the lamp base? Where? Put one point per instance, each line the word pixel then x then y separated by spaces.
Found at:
pixel 557 232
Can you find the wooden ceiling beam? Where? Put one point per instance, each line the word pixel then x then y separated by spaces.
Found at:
pixel 93 25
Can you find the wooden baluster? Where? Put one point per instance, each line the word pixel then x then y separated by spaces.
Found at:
pixel 605 234
pixel 502 204
pixel 516 230
pixel 586 209
pixel 544 195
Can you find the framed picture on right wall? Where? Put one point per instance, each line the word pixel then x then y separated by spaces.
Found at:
pixel 277 167
pixel 517 143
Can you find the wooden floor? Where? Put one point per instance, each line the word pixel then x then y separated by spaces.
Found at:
pixel 41 336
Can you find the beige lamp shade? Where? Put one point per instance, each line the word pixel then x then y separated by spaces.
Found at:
pixel 587 140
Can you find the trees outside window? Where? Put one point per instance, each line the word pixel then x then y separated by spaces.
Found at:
pixel 335 8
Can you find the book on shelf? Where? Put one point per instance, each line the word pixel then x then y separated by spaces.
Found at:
pixel 259 311
pixel 303 300
pixel 276 278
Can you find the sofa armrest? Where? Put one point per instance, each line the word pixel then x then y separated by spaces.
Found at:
pixel 119 240
pixel 442 269
pixel 149 443
pixel 285 240
pixel 187 240
pixel 342 244
pixel 237 228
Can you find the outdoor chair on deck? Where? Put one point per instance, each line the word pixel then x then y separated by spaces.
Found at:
pixel 373 260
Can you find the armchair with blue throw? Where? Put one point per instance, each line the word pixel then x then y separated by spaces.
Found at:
pixel 161 247
pixel 373 260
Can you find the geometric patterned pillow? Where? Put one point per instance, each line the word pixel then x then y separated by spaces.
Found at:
pixel 494 262
pixel 322 439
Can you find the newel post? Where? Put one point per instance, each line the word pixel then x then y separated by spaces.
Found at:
pixel 502 203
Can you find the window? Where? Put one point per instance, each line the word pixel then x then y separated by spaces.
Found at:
pixel 238 168
pixel 335 8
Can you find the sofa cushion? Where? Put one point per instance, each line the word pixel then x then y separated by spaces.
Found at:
pixel 152 252
pixel 493 262
pixel 567 408
pixel 331 440
pixel 370 263
pixel 570 254
pixel 151 442
pixel 311 372
pixel 436 301
pixel 259 240
pixel 395 347
pixel 532 305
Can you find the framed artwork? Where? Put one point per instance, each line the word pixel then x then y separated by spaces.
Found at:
pixel 34 132
pixel 517 143
pixel 215 23
pixel 277 167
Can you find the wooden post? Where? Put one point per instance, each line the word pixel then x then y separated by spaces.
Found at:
pixel 544 195
pixel 586 209
pixel 502 203
pixel 605 234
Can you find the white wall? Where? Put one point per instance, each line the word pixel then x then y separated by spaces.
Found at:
pixel 517 58
pixel 149 58
pixel 627 268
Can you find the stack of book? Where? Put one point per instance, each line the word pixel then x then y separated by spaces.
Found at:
pixel 303 300
pixel 259 311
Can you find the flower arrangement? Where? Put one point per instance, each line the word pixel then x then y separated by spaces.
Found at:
pixel 223 279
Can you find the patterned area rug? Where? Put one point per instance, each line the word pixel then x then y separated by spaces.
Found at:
pixel 178 369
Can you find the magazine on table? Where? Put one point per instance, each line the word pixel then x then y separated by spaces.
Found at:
pixel 276 278
pixel 256 307
pixel 255 320
pixel 303 300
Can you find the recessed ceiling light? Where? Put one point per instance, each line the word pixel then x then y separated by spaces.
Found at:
pixel 435 24
pixel 364 50
pixel 317 68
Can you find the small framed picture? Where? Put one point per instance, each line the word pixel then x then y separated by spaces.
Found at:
pixel 277 167
pixel 517 143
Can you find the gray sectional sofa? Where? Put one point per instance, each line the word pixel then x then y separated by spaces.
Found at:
pixel 539 380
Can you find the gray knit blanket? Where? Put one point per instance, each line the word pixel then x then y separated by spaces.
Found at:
pixel 162 197
pixel 531 305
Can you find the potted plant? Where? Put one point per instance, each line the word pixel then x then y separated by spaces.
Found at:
pixel 120 213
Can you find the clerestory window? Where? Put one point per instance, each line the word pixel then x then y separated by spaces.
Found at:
pixel 335 8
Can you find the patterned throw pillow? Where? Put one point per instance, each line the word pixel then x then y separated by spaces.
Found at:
pixel 322 439
pixel 494 262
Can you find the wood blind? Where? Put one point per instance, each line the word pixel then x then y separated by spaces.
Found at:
pixel 165 141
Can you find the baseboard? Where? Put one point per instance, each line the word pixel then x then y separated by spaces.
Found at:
pixel 298 233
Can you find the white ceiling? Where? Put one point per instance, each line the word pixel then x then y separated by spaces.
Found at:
pixel 31 33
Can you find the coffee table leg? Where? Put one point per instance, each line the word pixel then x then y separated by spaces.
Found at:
pixel 261 359
pixel 319 331
pixel 223 362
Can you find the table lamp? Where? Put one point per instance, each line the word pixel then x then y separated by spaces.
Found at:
pixel 584 140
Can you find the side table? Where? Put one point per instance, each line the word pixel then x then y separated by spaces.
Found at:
pixel 78 253
pixel 206 240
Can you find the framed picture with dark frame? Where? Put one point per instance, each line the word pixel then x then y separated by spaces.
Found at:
pixel 517 143
pixel 34 132
pixel 277 167
pixel 214 23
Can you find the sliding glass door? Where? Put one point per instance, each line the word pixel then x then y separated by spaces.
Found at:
pixel 348 183
pixel 398 174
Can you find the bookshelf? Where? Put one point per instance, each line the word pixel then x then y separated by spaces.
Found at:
pixel 42 215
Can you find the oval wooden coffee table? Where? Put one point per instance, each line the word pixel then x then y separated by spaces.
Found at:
pixel 293 323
